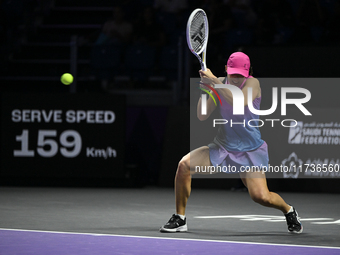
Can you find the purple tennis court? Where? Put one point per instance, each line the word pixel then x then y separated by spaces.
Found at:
pixel 127 221
pixel 39 242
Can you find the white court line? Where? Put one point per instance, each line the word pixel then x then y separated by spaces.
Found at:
pixel 255 217
pixel 323 223
pixel 267 218
pixel 168 238
pixel 237 216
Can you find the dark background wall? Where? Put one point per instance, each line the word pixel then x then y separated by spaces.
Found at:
pixel 151 67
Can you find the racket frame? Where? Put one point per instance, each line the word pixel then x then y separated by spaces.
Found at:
pixel 203 50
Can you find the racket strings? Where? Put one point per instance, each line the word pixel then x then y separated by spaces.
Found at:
pixel 198 32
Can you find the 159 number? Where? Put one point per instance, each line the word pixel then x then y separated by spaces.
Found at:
pixel 47 146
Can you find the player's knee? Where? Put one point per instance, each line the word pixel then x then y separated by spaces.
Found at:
pixel 262 198
pixel 183 167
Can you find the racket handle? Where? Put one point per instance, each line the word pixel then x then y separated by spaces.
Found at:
pixel 203 66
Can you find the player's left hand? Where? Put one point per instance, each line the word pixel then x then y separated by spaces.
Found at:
pixel 207 77
pixel 207 74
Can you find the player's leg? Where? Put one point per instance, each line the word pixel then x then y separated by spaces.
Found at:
pixel 186 167
pixel 258 190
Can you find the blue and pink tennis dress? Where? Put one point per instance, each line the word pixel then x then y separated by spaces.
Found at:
pixel 239 144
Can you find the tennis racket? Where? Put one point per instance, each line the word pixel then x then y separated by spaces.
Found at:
pixel 197 35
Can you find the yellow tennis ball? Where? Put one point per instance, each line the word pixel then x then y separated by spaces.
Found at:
pixel 66 79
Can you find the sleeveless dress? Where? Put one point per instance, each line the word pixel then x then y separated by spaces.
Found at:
pixel 239 145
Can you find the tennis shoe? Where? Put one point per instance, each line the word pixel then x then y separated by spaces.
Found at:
pixel 293 222
pixel 175 224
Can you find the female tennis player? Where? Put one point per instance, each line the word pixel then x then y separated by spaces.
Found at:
pixel 235 145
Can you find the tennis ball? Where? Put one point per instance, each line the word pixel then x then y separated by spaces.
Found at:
pixel 66 79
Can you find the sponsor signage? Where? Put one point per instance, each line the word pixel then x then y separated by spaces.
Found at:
pixel 310 149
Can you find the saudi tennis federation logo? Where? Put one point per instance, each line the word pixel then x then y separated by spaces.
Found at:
pixel 295 134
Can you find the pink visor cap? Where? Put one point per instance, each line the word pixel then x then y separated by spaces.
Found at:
pixel 238 63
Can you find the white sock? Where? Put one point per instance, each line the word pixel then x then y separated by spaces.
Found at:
pixel 290 210
pixel 181 216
